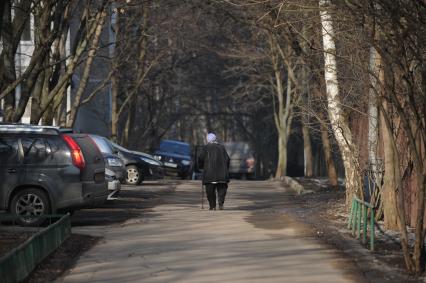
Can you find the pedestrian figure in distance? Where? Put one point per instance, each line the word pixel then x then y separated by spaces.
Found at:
pixel 215 161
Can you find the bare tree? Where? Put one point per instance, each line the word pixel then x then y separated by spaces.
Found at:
pixel 339 124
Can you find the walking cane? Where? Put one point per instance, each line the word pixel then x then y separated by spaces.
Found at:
pixel 202 195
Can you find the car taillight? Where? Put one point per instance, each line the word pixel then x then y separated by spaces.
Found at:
pixel 76 154
pixel 250 162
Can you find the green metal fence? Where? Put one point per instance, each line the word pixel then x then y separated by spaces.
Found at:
pixel 16 265
pixel 358 220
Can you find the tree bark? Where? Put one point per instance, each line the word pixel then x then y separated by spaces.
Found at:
pixel 114 118
pixel 373 116
pixel 388 191
pixel 283 120
pixel 393 164
pixel 130 120
pixel 328 154
pixel 307 150
pixel 7 70
pixel 142 71
pixel 59 89
pixel 2 9
pixel 282 155
pixel 283 112
pixel 339 123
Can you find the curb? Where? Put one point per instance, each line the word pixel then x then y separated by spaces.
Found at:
pixel 294 185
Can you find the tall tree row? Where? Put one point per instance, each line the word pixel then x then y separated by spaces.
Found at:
pixel 365 63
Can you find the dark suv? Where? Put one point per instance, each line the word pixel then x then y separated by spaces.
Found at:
pixel 43 171
pixel 176 157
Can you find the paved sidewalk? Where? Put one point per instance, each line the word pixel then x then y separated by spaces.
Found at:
pixel 179 242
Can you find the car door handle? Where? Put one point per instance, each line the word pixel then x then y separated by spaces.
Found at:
pixel 11 170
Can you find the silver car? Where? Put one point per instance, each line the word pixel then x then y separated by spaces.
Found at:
pixel 242 163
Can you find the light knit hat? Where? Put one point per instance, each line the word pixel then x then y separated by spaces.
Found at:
pixel 211 137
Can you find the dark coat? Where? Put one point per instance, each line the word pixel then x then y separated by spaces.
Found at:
pixel 215 161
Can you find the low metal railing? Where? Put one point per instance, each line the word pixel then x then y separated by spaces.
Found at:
pixel 358 220
pixel 17 264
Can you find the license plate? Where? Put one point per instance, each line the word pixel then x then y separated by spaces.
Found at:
pixel 114 185
pixel 168 164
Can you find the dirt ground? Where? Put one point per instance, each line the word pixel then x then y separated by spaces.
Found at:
pixel 11 238
pixel 324 210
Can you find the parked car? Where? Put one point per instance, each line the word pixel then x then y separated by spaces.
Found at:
pixel 43 171
pixel 115 171
pixel 114 184
pixel 176 157
pixel 140 166
pixel 242 162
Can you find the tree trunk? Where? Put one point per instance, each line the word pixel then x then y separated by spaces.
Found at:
pixel 328 154
pixel 307 144
pixel 36 99
pixel 373 117
pixel 282 156
pixel 45 31
pixel 2 9
pixel 307 150
pixel 125 135
pixel 130 120
pixel 388 192
pixel 283 122
pixel 282 113
pixel 393 164
pixel 7 64
pixel 339 123
pixel 59 88
pixel 114 118
pixel 86 72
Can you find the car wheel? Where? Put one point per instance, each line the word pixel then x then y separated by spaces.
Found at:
pixel 134 175
pixel 28 204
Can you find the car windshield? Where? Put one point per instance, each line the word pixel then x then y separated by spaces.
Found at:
pixel 103 146
pixel 174 147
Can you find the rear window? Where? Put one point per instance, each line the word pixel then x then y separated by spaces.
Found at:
pixel 102 144
pixel 36 150
pixel 44 150
pixel 178 148
pixel 9 151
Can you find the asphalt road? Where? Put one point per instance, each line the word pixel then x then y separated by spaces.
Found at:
pixel 158 232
